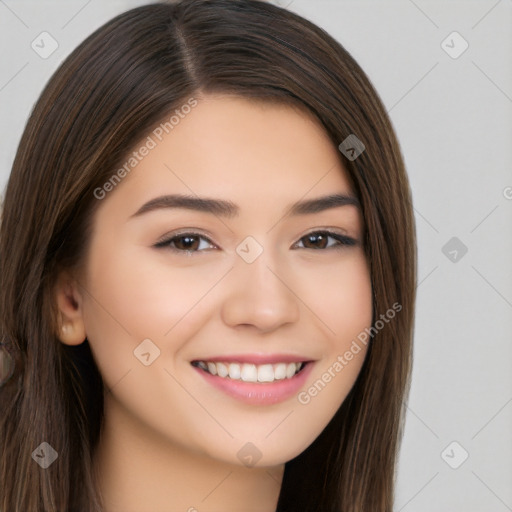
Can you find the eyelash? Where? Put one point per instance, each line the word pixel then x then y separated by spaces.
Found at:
pixel 343 241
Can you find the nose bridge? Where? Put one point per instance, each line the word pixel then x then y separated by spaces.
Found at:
pixel 258 294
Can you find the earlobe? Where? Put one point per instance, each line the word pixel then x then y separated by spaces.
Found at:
pixel 71 327
pixel 72 333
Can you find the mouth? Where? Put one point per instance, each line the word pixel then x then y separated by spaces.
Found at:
pixel 249 372
pixel 255 380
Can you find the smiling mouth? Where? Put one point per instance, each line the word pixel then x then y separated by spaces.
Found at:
pixel 248 372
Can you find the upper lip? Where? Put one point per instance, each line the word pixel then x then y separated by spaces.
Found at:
pixel 256 358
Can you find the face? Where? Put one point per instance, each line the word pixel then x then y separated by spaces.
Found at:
pixel 177 295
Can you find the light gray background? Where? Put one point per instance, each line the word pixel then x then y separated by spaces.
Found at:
pixel 453 120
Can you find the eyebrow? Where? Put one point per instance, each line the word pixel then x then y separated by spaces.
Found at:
pixel 229 209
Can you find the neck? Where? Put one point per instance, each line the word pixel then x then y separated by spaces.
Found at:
pixel 137 470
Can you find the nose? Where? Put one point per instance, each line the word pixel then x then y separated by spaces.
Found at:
pixel 260 294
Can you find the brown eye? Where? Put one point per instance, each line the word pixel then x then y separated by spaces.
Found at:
pixel 189 243
pixel 185 242
pixel 315 241
pixel 319 240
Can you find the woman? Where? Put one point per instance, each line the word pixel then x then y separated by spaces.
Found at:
pixel 208 268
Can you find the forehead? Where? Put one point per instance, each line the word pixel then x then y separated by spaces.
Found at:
pixel 237 148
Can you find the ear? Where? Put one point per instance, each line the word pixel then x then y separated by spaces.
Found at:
pixel 71 327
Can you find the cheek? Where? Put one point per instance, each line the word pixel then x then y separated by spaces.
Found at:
pixel 131 298
pixel 156 289
pixel 350 314
pixel 345 309
pixel 340 296
pixel 355 305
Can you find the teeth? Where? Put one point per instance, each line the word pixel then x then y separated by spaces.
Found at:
pixel 251 372
pixel 280 371
pixel 234 371
pixel 222 370
pixel 266 373
pixel 290 370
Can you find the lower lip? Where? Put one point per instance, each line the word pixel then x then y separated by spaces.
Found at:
pixel 262 393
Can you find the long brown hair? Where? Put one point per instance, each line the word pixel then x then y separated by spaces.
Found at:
pixel 106 96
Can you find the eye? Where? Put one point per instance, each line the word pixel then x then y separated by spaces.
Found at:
pixel 189 243
pixel 185 242
pixel 319 240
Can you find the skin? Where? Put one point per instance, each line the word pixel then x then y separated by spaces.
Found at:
pixel 170 440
